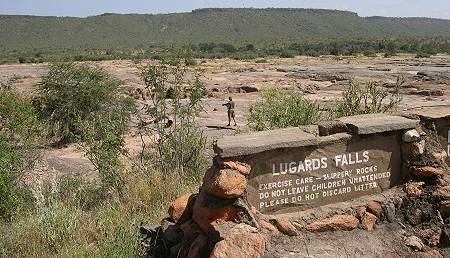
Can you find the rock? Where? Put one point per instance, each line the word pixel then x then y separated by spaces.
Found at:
pixel 191 231
pixel 181 209
pixel 414 189
pixel 248 89
pixel 244 169
pixel 377 123
pixel 337 222
pixel 240 245
pixel 270 227
pixel 442 192
pixel 445 208
pixel 226 183
pixel 430 236
pixel 428 171
pixel 368 221
pixel 285 227
pixel 388 254
pixel 440 157
pixel 360 212
pixel 415 243
pixel 256 142
pixel 375 208
pixel 418 148
pixel 431 254
pixel 414 216
pixel 411 136
pixel 390 212
pixel 332 127
pixel 208 209
pixel 199 247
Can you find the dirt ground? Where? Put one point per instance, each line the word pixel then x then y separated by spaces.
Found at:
pixel 322 79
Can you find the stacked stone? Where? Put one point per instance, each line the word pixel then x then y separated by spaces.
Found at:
pixel 207 223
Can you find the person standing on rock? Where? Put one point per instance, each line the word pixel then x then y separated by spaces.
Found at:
pixel 231 114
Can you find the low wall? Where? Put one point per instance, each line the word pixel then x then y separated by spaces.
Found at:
pixel 294 170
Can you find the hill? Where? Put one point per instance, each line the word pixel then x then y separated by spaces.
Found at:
pixel 18 32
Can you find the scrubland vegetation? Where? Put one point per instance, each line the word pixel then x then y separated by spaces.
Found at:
pixel 68 217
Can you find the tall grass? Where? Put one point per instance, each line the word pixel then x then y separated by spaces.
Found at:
pixel 62 225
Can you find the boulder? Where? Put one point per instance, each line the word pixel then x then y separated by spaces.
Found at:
pixel 331 127
pixel 208 209
pixel 442 192
pixel 270 227
pixel 431 254
pixel 411 136
pixel 240 245
pixel 285 227
pixel 375 208
pixel 428 171
pixel 337 222
pixel 415 243
pixel 226 183
pixel 181 209
pixel 418 148
pixel 360 212
pixel 368 221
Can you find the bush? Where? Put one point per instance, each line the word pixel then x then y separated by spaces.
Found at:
pixel 423 55
pixel 179 142
pixel 358 100
pixel 73 93
pixel 287 54
pixel 19 129
pixel 279 109
pixel 84 104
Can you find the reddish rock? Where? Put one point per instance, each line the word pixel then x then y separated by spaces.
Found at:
pixel 253 210
pixel 181 209
pixel 199 247
pixel 240 245
pixel 286 227
pixel 243 168
pixel 414 189
pixel 226 183
pixel 209 209
pixel 428 171
pixel 270 227
pixel 337 222
pixel 375 208
pixel 368 221
pixel 360 212
pixel 190 231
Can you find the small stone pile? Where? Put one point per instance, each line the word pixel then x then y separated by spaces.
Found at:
pixel 216 222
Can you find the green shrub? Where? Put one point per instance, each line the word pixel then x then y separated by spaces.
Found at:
pixel 84 104
pixel 73 93
pixel 358 100
pixel 261 61
pixel 423 55
pixel 279 109
pixel 287 54
pixel 19 129
pixel 180 143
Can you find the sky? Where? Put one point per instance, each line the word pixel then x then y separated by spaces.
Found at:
pixel 82 8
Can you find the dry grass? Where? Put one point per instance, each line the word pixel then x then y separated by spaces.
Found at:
pixel 63 225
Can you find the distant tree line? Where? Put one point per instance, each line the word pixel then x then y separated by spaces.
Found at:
pixel 422 47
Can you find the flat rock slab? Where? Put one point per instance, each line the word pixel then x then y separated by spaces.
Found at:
pixel 246 144
pixel 431 113
pixel 377 123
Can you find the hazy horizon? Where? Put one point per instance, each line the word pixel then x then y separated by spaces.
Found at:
pixel 82 8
